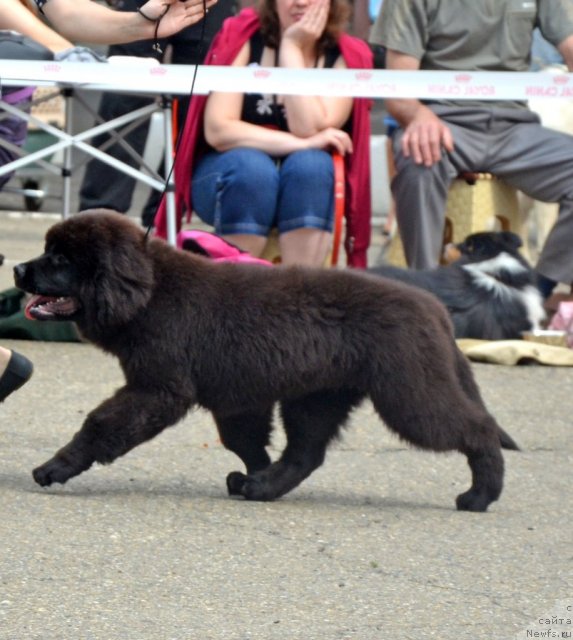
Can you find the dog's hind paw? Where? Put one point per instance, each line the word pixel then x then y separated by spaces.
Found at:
pixel 473 501
pixel 54 470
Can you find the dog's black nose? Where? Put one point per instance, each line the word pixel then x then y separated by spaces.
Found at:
pixel 19 272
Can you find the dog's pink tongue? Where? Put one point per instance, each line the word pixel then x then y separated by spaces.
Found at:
pixel 34 301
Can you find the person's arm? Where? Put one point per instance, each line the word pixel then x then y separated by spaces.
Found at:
pixel 91 22
pixel 16 17
pixel 361 19
pixel 308 115
pixel 566 50
pixel 225 130
pixel 424 133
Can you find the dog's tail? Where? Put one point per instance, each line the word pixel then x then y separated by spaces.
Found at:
pixel 507 442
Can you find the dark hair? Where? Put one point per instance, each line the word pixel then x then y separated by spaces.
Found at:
pixel 338 17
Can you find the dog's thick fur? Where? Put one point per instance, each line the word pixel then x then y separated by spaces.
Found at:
pixel 236 339
pixel 490 290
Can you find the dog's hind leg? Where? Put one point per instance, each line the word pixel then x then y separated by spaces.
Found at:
pixel 487 480
pixel 118 425
pixel 437 415
pixel 310 423
pixel 471 388
pixel 247 435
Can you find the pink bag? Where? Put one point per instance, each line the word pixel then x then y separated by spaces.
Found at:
pixel 563 321
pixel 213 246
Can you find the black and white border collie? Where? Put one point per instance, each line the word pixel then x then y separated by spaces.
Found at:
pixel 490 289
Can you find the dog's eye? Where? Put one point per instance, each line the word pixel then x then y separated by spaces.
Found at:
pixel 60 260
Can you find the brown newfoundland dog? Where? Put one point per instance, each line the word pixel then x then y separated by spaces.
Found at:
pixel 236 339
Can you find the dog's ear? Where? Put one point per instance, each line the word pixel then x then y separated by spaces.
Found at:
pixel 122 284
pixel 512 239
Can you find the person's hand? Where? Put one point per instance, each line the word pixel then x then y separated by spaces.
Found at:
pixel 425 136
pixel 329 139
pixel 176 14
pixel 308 29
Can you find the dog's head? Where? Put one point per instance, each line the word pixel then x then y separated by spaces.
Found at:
pixel 484 245
pixel 95 269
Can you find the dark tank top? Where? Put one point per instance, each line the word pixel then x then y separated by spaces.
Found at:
pixel 263 109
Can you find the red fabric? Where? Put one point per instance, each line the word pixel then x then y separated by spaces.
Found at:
pixel 224 49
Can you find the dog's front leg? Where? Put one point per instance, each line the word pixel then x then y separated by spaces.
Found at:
pixel 247 434
pixel 310 423
pixel 118 425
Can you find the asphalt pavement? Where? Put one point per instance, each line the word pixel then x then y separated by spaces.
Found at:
pixel 370 547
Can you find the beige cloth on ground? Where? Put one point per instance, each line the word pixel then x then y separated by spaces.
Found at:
pixel 511 352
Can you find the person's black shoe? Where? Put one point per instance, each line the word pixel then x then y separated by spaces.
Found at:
pixel 18 372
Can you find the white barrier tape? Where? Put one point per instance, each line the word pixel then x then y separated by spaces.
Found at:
pixel 177 79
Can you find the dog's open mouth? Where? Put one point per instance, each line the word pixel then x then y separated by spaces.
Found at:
pixel 41 307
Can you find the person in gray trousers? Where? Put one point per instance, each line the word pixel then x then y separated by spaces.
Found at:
pixel 437 140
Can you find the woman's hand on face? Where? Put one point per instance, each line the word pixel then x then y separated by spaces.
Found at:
pixel 331 139
pixel 308 29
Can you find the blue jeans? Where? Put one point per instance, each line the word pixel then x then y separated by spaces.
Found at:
pixel 247 191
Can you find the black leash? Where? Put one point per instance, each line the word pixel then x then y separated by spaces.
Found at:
pixel 180 131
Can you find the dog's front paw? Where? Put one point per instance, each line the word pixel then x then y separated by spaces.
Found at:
pixel 235 483
pixel 55 470
pixel 250 487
